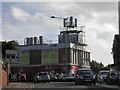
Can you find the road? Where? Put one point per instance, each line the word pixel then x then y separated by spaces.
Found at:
pixel 72 86
pixel 58 86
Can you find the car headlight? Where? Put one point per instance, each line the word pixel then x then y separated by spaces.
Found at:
pixel 119 78
pixel 110 77
pixel 81 77
pixel 101 77
pixel 94 77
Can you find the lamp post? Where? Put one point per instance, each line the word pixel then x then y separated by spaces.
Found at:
pixel 68 23
pixel 66 54
pixel 57 17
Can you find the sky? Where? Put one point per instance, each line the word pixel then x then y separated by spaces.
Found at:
pixel 24 19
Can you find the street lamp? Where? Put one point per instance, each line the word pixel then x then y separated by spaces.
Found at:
pixel 52 16
pixel 68 23
pixel 65 40
pixel 57 17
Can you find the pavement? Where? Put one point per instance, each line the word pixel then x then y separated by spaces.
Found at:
pixel 18 85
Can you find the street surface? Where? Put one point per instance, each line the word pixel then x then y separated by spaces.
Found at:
pixel 71 85
pixel 58 86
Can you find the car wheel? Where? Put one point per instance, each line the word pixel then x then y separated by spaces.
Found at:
pixel 94 83
pixel 76 82
pixel 107 83
pixel 100 82
pixel 119 84
pixel 34 81
pixel 90 83
pixel 37 81
pixel 79 83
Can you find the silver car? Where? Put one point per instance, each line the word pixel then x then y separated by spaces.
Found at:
pixel 101 77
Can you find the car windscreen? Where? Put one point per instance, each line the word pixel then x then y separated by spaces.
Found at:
pixel 82 72
pixel 114 73
pixel 104 73
pixel 42 74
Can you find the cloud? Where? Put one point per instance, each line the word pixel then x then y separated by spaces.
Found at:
pixel 60 0
pixel 100 20
pixel 34 25
pixel 19 14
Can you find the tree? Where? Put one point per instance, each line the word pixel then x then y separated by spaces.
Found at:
pixel 10 45
pixel 96 66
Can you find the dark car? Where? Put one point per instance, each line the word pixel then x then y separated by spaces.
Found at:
pixel 68 77
pixel 85 76
pixel 13 78
pixel 22 77
pixel 113 78
pixel 41 77
pixel 53 78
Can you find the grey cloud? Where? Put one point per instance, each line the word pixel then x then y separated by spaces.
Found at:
pixel 97 33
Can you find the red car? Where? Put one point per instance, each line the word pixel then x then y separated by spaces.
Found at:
pixel 23 78
pixel 41 77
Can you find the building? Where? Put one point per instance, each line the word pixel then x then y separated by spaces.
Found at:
pixel 116 51
pixel 12 57
pixel 116 45
pixel 66 56
pixel 0 74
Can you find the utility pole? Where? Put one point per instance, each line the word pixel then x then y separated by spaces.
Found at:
pixel 119 16
pixel 68 23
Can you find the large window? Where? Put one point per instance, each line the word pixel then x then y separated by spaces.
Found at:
pixel 25 57
pixel 49 56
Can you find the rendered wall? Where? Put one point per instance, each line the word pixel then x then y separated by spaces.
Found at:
pixel 4 78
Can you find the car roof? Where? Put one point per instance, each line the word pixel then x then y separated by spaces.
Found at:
pixel 104 71
pixel 84 69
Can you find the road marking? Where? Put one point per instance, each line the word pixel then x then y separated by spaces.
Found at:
pixel 32 86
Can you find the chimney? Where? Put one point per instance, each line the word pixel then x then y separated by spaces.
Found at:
pixel 40 40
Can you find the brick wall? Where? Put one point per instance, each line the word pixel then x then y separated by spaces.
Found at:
pixel 4 78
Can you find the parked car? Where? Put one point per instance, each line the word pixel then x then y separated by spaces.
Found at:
pixel 41 77
pixel 85 76
pixel 58 77
pixel 113 78
pixel 68 77
pixel 53 78
pixel 22 76
pixel 13 78
pixel 101 76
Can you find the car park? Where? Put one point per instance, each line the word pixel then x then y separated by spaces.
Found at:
pixel 101 76
pixel 41 77
pixel 113 78
pixel 85 76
